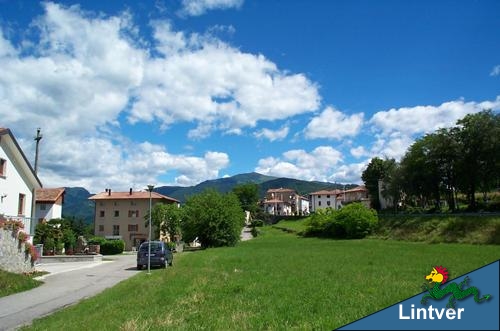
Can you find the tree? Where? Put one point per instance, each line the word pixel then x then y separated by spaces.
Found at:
pixel 480 153
pixel 248 195
pixel 215 218
pixel 165 218
pixel 376 170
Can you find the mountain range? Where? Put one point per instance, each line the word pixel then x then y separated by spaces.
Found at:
pixel 77 205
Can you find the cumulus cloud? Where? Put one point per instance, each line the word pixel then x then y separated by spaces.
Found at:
pixel 495 71
pixel 200 7
pixel 300 164
pixel 333 124
pixel 221 87
pixel 273 135
pixel 87 72
pixel 426 119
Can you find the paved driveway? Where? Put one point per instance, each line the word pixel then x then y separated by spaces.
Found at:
pixel 66 285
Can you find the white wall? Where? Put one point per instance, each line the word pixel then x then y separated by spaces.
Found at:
pixel 11 185
pixel 51 211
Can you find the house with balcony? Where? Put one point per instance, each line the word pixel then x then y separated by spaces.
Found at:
pixel 49 203
pixel 18 182
pixel 357 194
pixel 285 202
pixel 120 215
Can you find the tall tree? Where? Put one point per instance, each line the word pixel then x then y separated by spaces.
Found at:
pixel 248 195
pixel 215 218
pixel 480 150
pixel 165 218
pixel 376 170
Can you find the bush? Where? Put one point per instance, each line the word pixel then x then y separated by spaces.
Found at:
pixel 112 247
pixel 255 223
pixel 96 241
pixel 354 221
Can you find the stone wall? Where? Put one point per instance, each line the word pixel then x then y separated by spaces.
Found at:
pixel 12 255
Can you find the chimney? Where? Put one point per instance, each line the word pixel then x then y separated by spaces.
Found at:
pixel 109 191
pixel 106 190
pixel 130 192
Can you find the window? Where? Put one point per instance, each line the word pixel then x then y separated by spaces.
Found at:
pixel 43 206
pixel 319 196
pixel 116 230
pixel 117 213
pixel 328 196
pixel 133 213
pixel 101 228
pixel 133 227
pixel 101 213
pixel 3 166
pixel 328 202
pixel 20 206
pixel 319 203
pixel 133 203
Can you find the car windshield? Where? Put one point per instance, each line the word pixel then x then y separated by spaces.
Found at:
pixel 154 246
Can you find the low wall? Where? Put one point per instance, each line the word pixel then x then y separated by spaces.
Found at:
pixel 71 258
pixel 12 255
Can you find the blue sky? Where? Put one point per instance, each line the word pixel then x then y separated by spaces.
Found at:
pixel 129 93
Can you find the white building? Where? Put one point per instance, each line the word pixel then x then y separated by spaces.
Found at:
pixel 49 203
pixel 324 199
pixel 18 182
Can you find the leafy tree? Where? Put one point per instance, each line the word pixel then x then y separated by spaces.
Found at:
pixel 215 218
pixel 376 170
pixel 248 195
pixel 480 150
pixel 165 218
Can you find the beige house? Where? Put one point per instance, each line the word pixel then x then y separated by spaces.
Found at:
pixel 284 201
pixel 121 215
pixel 357 194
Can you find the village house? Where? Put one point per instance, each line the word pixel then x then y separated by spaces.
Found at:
pixel 18 182
pixel 285 202
pixel 337 198
pixel 49 202
pixel 121 215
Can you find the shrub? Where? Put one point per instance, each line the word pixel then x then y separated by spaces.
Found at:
pixel 354 221
pixel 96 241
pixel 255 223
pixel 254 231
pixel 112 247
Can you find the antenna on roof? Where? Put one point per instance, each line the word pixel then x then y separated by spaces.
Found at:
pixel 37 139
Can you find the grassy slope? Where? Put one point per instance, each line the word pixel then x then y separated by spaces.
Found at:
pixel 11 283
pixel 276 281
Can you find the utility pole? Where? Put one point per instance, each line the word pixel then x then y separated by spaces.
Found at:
pixel 37 139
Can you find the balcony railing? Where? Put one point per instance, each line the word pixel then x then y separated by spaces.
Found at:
pixel 28 222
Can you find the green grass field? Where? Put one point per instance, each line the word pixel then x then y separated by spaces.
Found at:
pixel 11 283
pixel 277 281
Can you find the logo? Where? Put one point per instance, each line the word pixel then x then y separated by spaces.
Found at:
pixel 439 276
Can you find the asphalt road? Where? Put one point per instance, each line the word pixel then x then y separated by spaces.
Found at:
pixel 66 285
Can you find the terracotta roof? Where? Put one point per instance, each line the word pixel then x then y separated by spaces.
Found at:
pixel 280 190
pixel 332 192
pixel 49 194
pixel 358 188
pixel 127 196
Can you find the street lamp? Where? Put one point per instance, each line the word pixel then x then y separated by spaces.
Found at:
pixel 150 189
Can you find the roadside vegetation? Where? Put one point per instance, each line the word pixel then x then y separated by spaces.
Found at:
pixel 11 283
pixel 277 281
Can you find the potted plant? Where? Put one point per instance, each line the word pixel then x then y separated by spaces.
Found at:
pixel 48 246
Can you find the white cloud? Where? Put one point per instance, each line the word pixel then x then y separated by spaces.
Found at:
pixel 318 164
pixel 495 71
pixel 89 71
pixel 358 152
pixel 333 124
pixel 221 87
pixel 199 7
pixel 426 119
pixel 273 135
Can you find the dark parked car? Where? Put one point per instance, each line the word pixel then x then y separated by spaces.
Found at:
pixel 161 255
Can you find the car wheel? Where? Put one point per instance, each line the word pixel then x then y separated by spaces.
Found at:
pixel 139 267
